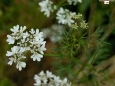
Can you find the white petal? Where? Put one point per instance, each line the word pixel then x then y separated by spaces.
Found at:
pixel 9 53
pixel 10 39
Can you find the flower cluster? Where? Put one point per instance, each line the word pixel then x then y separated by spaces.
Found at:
pixel 46 6
pixel 32 41
pixel 73 1
pixel 75 25
pixel 54 33
pixel 48 79
pixel 84 24
pixel 64 16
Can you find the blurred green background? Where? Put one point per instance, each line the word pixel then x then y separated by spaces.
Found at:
pixel 27 13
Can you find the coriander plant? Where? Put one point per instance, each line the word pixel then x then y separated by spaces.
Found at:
pixel 78 52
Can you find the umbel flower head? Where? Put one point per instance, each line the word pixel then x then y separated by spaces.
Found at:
pixel 49 79
pixel 73 1
pixel 25 41
pixel 64 16
pixel 54 33
pixel 46 6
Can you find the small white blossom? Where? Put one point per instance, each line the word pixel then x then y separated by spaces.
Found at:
pixel 54 33
pixel 65 82
pixel 37 57
pixel 46 32
pixel 43 77
pixel 20 65
pixel 49 74
pixel 15 29
pixel 57 80
pixel 74 2
pixel 48 79
pixel 25 35
pixel 32 31
pixel 46 6
pixel 38 35
pixel 64 16
pixel 37 80
pixel 14 51
pixel 41 49
pixel 11 61
pixel 10 39
pixel 18 33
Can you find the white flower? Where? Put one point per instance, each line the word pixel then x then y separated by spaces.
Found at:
pixel 15 29
pixel 49 74
pixel 14 50
pixel 37 80
pixel 41 49
pixel 57 80
pixel 48 79
pixel 38 35
pixel 43 77
pixel 64 16
pixel 46 32
pixel 38 45
pixel 46 6
pixel 25 35
pixel 17 33
pixel 65 82
pixel 22 29
pixel 74 2
pixel 20 65
pixel 32 31
pixel 11 61
pixel 21 50
pixel 54 33
pixel 37 57
pixel 10 39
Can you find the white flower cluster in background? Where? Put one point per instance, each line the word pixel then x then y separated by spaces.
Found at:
pixel 47 6
pixel 49 79
pixel 54 33
pixel 74 2
pixel 64 16
pixel 32 41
